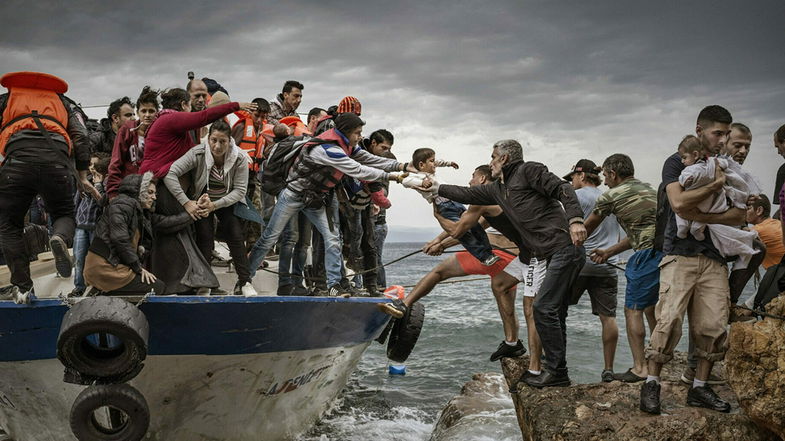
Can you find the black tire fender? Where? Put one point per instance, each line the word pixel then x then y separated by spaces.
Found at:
pixel 120 397
pixel 103 315
pixel 405 333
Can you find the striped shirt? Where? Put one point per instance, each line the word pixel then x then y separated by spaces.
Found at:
pixel 216 188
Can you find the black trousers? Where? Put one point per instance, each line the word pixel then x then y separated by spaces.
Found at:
pixel 136 286
pixel 20 182
pixel 368 248
pixel 232 231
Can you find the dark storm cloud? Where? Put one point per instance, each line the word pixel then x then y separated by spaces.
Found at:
pixel 568 78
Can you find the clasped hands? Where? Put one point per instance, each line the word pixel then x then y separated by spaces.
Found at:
pixel 200 208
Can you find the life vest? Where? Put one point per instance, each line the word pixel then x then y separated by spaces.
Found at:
pixel 34 103
pixel 253 143
pixel 319 178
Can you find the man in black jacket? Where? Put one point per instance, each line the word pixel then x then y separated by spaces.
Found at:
pixel 530 196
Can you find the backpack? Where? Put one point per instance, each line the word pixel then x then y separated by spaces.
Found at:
pixel 275 168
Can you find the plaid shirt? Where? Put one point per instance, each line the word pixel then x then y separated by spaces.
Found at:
pixel 276 111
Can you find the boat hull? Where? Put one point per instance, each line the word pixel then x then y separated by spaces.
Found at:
pixel 219 368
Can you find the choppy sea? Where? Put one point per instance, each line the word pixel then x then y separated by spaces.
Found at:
pixel 462 328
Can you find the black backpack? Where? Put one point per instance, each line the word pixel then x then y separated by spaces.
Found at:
pixel 275 168
pixel 770 285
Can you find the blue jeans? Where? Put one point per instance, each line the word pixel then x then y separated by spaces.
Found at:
pixel 289 204
pixel 381 235
pixel 286 251
pixel 475 240
pixel 82 239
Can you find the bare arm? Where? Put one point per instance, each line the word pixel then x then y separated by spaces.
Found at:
pixel 684 204
pixel 458 228
pixel 601 256
pixel 593 221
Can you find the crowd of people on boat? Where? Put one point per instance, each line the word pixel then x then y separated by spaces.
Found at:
pixel 142 201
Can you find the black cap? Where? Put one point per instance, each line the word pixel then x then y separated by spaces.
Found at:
pixel 346 122
pixel 585 166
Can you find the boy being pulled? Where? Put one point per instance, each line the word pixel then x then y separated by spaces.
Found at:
pixel 700 170
pixel 475 240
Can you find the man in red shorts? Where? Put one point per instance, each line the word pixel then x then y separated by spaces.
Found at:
pixel 505 273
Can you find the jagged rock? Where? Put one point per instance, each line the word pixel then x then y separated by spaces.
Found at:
pixel 483 398
pixel 609 411
pixel 756 366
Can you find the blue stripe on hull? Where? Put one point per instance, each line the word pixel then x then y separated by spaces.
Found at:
pixel 209 325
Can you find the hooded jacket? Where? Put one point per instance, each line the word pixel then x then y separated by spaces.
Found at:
pixel 198 161
pixel 122 164
pixel 124 217
pixel 532 199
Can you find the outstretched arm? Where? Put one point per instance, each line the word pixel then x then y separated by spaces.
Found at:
pixel 458 228
pixel 476 195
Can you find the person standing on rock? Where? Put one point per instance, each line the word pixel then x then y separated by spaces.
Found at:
pixel 634 203
pixel 693 279
pixel 599 279
pixel 546 213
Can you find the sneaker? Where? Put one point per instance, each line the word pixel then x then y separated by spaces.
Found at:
pixel 248 290
pixel 628 377
pixel 689 375
pixel 338 291
pixel 607 376
pixel 396 308
pixel 650 397
pixel 63 261
pixel 285 290
pixel 705 396
pixel 347 286
pixel 504 350
pixel 76 292
pixel 20 296
pixel 547 379
pixel 491 260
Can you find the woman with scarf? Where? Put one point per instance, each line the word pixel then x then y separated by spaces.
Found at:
pixel 123 233
pixel 218 172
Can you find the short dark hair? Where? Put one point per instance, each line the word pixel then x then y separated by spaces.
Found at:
pixel 220 126
pixel 172 97
pixel 714 114
pixel 690 144
pixel 316 111
pixel 621 164
pixel 422 155
pixel 291 84
pixel 762 202
pixel 741 128
pixel 485 170
pixel 593 178
pixel 102 165
pixel 148 96
pixel 114 107
pixel 780 134
pixel 382 135
pixel 262 104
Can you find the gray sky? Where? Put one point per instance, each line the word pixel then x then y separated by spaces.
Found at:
pixel 567 79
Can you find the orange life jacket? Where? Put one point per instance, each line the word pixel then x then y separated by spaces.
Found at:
pixel 33 104
pixel 253 143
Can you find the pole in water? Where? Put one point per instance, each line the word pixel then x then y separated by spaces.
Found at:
pixel 396 368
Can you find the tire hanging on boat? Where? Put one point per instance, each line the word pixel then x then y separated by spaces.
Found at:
pixel 405 333
pixel 126 416
pixel 103 338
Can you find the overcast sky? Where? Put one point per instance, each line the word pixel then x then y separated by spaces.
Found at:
pixel 569 80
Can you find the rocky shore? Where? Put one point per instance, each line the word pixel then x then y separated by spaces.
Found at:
pixel 609 411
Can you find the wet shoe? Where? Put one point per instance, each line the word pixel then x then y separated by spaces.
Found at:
pixel 547 379
pixel 705 396
pixel 505 350
pixel 607 376
pixel 628 377
pixel 689 375
pixel 396 308
pixel 491 260
pixel 650 397
pixel 338 291
pixel 63 261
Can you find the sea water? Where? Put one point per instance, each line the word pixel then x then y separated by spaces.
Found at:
pixel 462 328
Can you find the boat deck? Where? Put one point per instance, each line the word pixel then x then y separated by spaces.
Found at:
pixel 49 285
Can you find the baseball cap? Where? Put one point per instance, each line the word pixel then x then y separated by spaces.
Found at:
pixel 583 166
